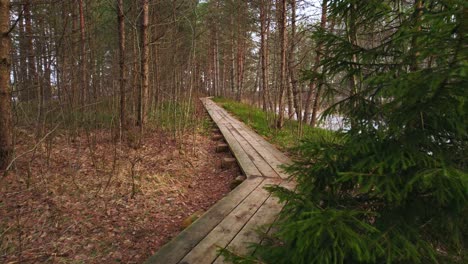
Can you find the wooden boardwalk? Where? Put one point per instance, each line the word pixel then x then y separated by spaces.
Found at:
pixel 232 222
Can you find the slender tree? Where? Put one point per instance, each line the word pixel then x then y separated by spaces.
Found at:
pixel 122 69
pixel 313 95
pixel 84 92
pixel 6 129
pixel 264 34
pixel 297 98
pixel 281 6
pixel 144 86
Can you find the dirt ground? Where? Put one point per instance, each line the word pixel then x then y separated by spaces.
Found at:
pixel 88 200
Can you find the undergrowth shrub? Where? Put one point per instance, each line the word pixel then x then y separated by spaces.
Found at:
pixel 394 187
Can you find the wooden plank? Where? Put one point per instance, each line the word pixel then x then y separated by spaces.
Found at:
pixel 263 152
pixel 258 160
pixel 245 163
pixel 222 234
pixel 271 148
pixel 265 144
pixel 177 248
pixel 264 216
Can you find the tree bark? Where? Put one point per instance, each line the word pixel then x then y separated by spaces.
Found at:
pixel 123 77
pixel 240 53
pixel 32 86
pixel 6 126
pixel 314 92
pixel 84 82
pixel 281 5
pixel 24 92
pixel 291 64
pixel 264 30
pixel 143 92
pixel 418 10
pixel 233 67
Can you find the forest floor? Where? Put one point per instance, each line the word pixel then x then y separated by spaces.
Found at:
pixel 55 206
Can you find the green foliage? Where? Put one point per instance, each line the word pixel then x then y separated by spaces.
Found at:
pixel 394 187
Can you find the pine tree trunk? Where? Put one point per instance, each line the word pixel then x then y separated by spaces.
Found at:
pixel 290 94
pixel 123 77
pixel 291 64
pixel 143 92
pixel 233 67
pixel 84 83
pixel 32 73
pixel 418 9
pixel 314 93
pixel 264 25
pixel 24 93
pixel 281 5
pixel 6 129
pixel 239 54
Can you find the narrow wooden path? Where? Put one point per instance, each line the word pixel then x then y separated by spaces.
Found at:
pixel 232 222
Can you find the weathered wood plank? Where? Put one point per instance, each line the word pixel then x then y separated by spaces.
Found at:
pixel 272 149
pixel 263 218
pixel 253 154
pixel 246 164
pixel 265 215
pixel 222 234
pixel 266 154
pixel 177 248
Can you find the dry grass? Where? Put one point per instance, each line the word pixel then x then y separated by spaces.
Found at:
pixel 88 200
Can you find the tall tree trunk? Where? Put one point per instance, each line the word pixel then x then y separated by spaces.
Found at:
pixel 143 92
pixel 351 31
pixel 289 92
pixel 233 67
pixel 240 66
pixel 6 125
pixel 314 92
pixel 281 5
pixel 240 48
pixel 123 77
pixel 291 63
pixel 32 86
pixel 73 79
pixel 418 10
pixel 264 30
pixel 47 58
pixel 215 35
pixel 24 92
pixel 84 83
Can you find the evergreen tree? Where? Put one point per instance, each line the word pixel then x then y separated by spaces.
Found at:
pixel 393 187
